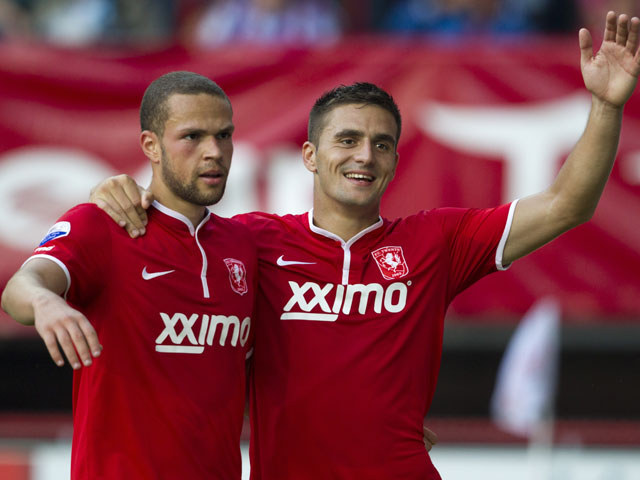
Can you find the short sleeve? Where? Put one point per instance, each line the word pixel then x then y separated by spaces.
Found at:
pixel 475 240
pixel 80 243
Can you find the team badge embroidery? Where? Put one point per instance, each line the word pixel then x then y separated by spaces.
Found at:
pixel 391 262
pixel 237 275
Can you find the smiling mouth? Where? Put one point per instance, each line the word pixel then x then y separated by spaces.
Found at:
pixel 360 176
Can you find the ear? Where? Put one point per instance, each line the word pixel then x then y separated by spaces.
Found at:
pixel 309 156
pixel 151 146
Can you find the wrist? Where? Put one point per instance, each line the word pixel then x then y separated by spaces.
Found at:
pixel 42 298
pixel 602 107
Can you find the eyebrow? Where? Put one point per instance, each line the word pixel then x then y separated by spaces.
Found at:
pixel 358 134
pixel 201 131
pixel 349 133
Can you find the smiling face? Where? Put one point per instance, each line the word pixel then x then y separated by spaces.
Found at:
pixel 191 160
pixel 354 161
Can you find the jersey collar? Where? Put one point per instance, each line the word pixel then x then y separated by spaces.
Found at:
pixel 178 216
pixel 333 236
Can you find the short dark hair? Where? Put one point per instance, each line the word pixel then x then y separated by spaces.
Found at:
pixel 153 108
pixel 358 93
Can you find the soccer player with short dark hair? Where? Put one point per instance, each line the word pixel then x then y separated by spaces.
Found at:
pixel 173 309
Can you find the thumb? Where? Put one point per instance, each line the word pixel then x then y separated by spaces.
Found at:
pixel 586 46
pixel 147 198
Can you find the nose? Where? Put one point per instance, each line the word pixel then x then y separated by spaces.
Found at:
pixel 211 148
pixel 364 153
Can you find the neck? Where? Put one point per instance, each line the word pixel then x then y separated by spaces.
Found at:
pixel 195 213
pixel 344 222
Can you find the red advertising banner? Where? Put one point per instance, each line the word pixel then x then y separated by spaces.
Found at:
pixel 483 123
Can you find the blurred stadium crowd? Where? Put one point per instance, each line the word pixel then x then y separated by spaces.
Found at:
pixel 215 22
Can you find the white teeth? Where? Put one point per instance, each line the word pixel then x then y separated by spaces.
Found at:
pixel 359 176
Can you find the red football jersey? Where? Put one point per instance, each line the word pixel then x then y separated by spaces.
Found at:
pixel 349 340
pixel 173 311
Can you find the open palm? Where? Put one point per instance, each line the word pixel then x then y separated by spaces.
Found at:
pixel 612 73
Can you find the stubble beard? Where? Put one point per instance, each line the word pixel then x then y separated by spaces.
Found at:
pixel 188 191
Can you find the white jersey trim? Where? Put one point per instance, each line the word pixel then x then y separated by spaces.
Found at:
pixel 203 273
pixel 181 217
pixel 194 233
pixel 346 246
pixel 503 239
pixel 57 262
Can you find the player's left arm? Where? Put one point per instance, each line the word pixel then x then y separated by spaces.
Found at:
pixel 610 76
pixel 124 201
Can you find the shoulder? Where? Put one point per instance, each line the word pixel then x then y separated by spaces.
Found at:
pixel 423 218
pixel 445 217
pixel 83 220
pixel 86 212
pixel 231 231
pixel 232 225
pixel 261 221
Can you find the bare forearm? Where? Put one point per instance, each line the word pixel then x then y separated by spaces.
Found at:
pixel 574 195
pixel 581 180
pixel 23 292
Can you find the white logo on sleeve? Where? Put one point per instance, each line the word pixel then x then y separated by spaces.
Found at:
pixel 283 263
pixel 60 229
pixel 148 276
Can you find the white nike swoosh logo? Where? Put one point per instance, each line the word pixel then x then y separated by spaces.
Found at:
pixel 283 263
pixel 148 276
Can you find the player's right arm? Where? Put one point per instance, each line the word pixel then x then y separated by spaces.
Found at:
pixel 33 297
pixel 125 201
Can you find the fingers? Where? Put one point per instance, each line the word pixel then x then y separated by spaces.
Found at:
pixel 66 343
pixel 115 216
pixel 52 345
pixel 147 199
pixel 610 27
pixel 121 199
pixel 91 337
pixel 132 203
pixel 429 438
pixel 622 30
pixel 127 203
pixel 77 339
pixel 632 43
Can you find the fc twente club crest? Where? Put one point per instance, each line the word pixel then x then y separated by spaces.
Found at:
pixel 391 262
pixel 237 275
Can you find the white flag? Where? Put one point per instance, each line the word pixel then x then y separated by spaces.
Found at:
pixel 525 387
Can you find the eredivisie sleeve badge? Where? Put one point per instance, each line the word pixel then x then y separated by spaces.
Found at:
pixel 237 275
pixel 391 262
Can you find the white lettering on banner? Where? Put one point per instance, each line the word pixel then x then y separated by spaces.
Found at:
pixel 208 328
pixel 393 298
pixel 531 138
